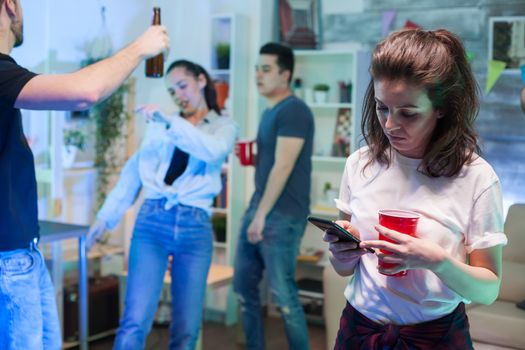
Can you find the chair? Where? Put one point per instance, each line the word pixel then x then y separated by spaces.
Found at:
pixel 502 323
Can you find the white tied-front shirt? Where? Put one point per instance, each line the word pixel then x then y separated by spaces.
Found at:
pixel 461 214
pixel 208 144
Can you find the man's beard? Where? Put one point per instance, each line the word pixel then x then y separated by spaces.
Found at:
pixel 18 30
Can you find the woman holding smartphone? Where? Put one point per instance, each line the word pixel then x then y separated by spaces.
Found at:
pixel 179 169
pixel 421 156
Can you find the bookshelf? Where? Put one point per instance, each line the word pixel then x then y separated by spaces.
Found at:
pixel 228 30
pixel 329 67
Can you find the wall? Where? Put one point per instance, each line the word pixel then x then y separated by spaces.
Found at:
pixel 501 123
pixel 55 31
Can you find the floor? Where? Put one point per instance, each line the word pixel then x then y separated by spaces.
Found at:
pixel 218 337
pixel 479 346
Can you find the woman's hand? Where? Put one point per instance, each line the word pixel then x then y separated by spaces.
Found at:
pixel 407 252
pixel 344 252
pixel 95 233
pixel 152 113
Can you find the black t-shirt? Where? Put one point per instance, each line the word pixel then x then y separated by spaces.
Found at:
pixel 18 196
pixel 290 117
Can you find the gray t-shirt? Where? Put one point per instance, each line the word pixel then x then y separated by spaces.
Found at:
pixel 290 117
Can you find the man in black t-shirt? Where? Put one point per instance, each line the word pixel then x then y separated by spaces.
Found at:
pixel 274 223
pixel 28 315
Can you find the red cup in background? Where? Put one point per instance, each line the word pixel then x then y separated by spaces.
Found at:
pixel 246 152
pixel 402 221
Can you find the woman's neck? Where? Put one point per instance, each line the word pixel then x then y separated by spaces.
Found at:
pixel 198 115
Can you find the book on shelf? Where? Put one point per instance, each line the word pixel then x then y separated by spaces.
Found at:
pixel 342 133
pixel 221 200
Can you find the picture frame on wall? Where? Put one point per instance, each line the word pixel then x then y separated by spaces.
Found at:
pixel 342 132
pixel 299 23
pixel 507 41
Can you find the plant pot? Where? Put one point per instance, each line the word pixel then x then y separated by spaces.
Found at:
pixel 222 89
pixel 219 228
pixel 330 195
pixel 320 96
pixel 223 62
pixel 69 153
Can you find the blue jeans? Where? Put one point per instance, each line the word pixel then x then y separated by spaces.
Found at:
pixel 277 253
pixel 28 310
pixel 184 233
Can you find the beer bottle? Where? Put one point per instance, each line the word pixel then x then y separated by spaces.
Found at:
pixel 155 65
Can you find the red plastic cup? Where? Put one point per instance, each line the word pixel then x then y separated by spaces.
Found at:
pixel 246 152
pixel 402 221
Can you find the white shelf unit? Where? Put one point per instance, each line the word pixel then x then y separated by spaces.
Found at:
pixel 330 67
pixel 328 160
pixel 220 211
pixel 230 28
pixel 331 105
pixel 219 72
pixel 220 245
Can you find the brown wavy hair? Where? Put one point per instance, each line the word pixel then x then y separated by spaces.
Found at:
pixel 435 61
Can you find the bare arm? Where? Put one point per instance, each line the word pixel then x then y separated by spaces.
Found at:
pixel 479 280
pixel 81 89
pixel 286 153
pixel 204 146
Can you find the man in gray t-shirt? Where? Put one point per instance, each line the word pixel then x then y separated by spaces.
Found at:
pixel 274 223
pixel 289 118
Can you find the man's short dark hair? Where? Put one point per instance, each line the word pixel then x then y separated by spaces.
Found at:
pixel 285 58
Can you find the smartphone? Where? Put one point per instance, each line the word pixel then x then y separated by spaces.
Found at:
pixel 328 225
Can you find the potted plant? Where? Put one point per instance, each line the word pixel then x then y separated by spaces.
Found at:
pixel 74 140
pixel 219 228
pixel 330 193
pixel 111 117
pixel 321 93
pixel 223 55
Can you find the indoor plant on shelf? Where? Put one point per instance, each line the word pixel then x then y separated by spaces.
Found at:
pixel 321 93
pixel 110 118
pixel 223 55
pixel 74 140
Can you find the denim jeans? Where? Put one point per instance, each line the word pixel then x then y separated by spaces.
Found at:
pixel 184 233
pixel 28 310
pixel 276 253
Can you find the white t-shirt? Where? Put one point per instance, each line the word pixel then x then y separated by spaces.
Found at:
pixel 460 214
